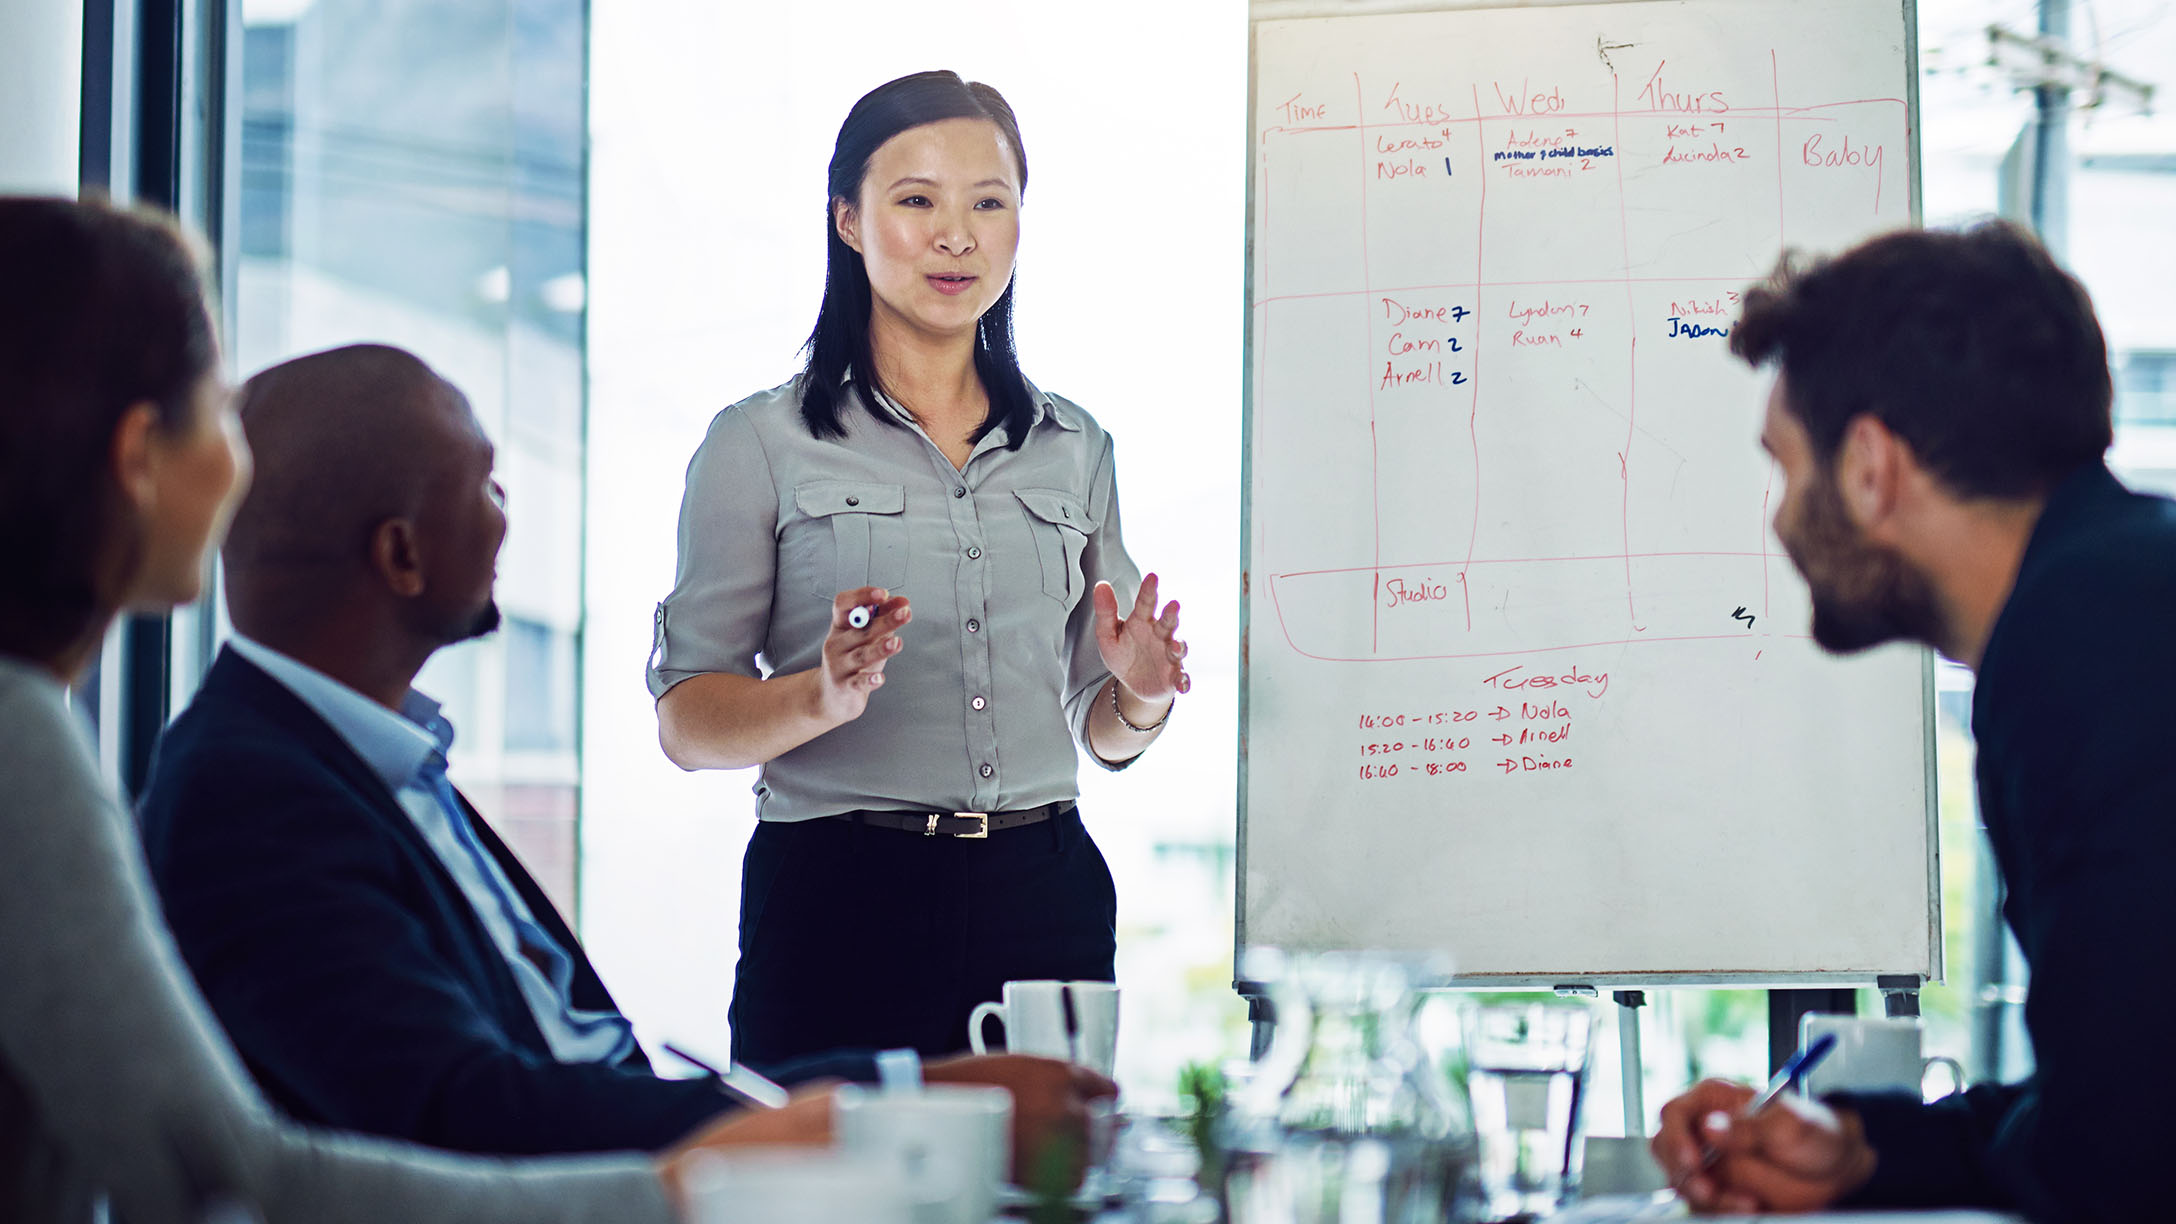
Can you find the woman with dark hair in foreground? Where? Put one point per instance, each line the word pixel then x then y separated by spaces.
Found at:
pixel 120 461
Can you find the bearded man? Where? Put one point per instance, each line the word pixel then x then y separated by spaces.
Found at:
pixel 1939 416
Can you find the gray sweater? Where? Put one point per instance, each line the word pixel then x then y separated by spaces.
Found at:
pixel 115 1079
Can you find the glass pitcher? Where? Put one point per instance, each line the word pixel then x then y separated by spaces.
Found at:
pixel 1348 1121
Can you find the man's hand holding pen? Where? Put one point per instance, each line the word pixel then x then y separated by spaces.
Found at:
pixel 1794 1155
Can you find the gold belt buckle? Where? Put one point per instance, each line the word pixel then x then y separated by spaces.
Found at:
pixel 930 830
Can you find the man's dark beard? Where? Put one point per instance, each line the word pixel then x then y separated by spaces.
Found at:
pixel 1863 596
pixel 486 622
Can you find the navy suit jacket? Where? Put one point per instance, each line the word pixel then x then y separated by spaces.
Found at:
pixel 2077 788
pixel 347 965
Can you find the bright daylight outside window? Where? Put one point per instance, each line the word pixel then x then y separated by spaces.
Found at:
pixel 412 174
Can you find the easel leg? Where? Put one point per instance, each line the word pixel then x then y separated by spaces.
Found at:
pixel 1899 995
pixel 1786 1007
pixel 1262 1019
pixel 1633 1069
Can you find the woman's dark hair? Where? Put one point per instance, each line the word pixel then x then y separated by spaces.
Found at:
pixel 101 309
pixel 841 339
pixel 1974 347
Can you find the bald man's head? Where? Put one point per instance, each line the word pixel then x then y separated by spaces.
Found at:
pixel 374 488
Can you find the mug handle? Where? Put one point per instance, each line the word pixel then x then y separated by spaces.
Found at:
pixel 982 1012
pixel 1956 1072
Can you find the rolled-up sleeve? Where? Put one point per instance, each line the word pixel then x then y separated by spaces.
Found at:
pixel 720 606
pixel 1103 559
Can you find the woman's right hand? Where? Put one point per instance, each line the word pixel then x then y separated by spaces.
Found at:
pixel 724 720
pixel 854 659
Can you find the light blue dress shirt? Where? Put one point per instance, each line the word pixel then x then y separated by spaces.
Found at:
pixel 407 751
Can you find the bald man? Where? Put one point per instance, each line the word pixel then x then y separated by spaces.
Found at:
pixel 381 960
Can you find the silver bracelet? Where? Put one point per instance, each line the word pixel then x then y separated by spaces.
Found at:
pixel 1129 724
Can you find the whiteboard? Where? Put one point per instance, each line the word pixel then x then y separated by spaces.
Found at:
pixel 1527 678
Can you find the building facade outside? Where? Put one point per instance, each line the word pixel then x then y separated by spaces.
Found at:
pixel 413 173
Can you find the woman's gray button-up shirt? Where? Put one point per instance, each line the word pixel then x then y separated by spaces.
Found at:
pixel 983 705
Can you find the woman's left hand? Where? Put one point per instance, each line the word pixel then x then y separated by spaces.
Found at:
pixel 1143 651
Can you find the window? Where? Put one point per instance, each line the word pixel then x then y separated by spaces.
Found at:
pixel 412 173
pixel 539 687
pixel 2146 387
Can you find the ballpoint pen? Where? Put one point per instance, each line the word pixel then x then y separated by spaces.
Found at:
pixel 1798 1067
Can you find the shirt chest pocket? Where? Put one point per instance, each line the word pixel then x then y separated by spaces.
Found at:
pixel 855 535
pixel 1059 522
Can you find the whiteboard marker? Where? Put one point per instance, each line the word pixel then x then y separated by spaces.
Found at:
pixel 859 618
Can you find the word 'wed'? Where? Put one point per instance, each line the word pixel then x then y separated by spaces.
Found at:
pixel 1526 101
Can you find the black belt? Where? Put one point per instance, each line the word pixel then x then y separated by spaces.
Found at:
pixel 972 825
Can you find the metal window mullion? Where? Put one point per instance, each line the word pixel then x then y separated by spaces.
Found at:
pixel 173 56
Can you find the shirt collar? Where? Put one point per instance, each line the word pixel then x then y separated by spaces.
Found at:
pixel 396 747
pixel 2072 505
pixel 1047 409
pixel 2075 505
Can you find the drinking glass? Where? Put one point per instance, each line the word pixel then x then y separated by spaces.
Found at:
pixel 1527 1076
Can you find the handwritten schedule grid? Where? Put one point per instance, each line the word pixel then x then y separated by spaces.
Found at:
pixel 1507 504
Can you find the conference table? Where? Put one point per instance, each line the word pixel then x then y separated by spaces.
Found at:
pixel 1607 1210
pixel 1628 1210
pixel 1154 1167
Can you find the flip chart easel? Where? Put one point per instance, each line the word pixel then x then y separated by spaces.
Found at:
pixel 1527 679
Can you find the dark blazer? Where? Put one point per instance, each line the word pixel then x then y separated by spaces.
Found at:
pixel 347 965
pixel 2077 789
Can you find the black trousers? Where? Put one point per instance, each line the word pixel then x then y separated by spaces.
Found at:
pixel 855 937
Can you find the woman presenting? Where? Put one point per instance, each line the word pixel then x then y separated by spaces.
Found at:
pixel 919 844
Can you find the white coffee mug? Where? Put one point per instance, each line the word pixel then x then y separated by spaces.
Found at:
pixel 946 1145
pixel 1033 1014
pixel 757 1185
pixel 1872 1054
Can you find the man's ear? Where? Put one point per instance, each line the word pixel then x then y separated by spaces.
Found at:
pixel 135 462
pixel 1872 465
pixel 397 557
pixel 846 219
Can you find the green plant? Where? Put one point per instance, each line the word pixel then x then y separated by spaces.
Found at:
pixel 1204 1094
pixel 1051 1181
